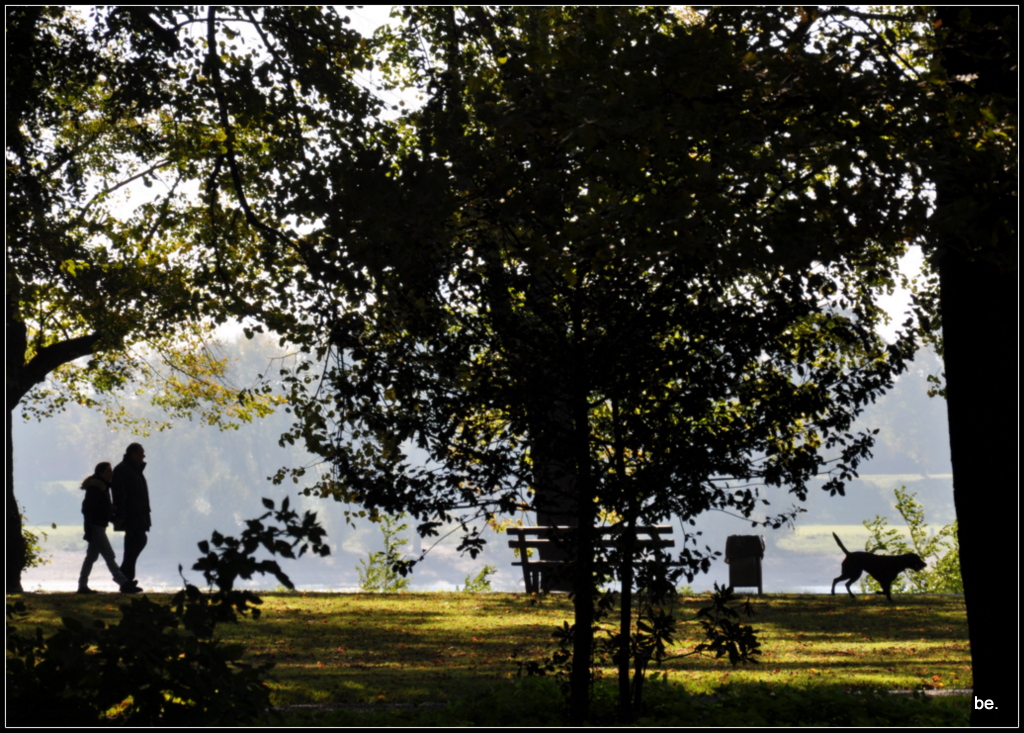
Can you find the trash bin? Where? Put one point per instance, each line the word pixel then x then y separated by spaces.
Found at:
pixel 743 554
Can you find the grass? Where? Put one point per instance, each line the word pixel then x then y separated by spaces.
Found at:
pixel 457 648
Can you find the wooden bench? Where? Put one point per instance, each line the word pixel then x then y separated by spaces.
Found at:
pixel 650 537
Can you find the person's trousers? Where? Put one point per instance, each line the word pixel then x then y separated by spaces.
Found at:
pixel 134 542
pixel 99 546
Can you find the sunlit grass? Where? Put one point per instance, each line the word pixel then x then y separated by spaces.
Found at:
pixel 440 647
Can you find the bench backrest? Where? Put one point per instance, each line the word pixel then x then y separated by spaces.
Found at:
pixel 647 536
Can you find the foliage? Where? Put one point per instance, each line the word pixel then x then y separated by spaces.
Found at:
pixel 654 633
pixel 654 630
pixel 91 271
pixel 34 556
pixel 479 583
pixel 480 331
pixel 108 273
pixel 160 664
pixel 942 551
pixel 725 636
pixel 946 573
pixel 222 567
pixel 557 664
pixel 382 572
pixel 611 277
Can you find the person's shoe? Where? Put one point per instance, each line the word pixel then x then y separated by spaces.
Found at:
pixel 86 591
pixel 130 588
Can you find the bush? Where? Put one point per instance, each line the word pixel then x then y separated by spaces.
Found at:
pixel 382 572
pixel 34 556
pixel 480 583
pixel 159 665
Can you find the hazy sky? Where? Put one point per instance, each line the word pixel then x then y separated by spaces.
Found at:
pixel 201 479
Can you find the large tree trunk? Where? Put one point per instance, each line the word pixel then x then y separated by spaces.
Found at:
pixel 554 480
pixel 22 377
pixel 977 264
pixel 16 341
pixel 15 541
pixel 979 314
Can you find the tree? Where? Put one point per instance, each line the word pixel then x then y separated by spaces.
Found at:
pixel 962 65
pixel 92 111
pixel 67 296
pixel 975 252
pixel 611 280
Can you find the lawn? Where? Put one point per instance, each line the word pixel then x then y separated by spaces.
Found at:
pixel 350 649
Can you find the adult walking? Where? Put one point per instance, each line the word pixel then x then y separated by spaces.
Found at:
pixel 96 510
pixel 131 501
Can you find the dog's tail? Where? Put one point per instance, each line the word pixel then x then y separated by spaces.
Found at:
pixel 840 543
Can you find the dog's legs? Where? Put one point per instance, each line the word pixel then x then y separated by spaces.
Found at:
pixel 850 574
pixel 887 589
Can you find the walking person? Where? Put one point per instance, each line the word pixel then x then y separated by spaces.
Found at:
pixel 131 499
pixel 96 510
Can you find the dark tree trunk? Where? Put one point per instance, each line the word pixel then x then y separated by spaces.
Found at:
pixel 979 315
pixel 976 258
pixel 554 481
pixel 22 377
pixel 583 585
pixel 15 541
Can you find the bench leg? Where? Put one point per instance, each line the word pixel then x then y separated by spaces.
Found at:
pixel 529 579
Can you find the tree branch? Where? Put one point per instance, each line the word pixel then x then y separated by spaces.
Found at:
pixel 45 361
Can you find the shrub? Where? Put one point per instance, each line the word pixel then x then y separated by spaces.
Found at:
pixel 382 572
pixel 159 665
pixel 34 556
pixel 480 583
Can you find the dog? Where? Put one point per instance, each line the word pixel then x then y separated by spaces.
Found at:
pixel 883 568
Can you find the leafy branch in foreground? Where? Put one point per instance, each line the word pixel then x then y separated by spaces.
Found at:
pixel 159 665
pixel 725 636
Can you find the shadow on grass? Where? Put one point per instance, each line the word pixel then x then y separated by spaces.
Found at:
pixel 444 647
pixel 535 702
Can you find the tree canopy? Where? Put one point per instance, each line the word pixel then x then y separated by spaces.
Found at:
pixel 551 245
pixel 97 110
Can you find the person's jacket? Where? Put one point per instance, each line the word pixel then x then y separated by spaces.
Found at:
pixel 96 506
pixel 131 497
